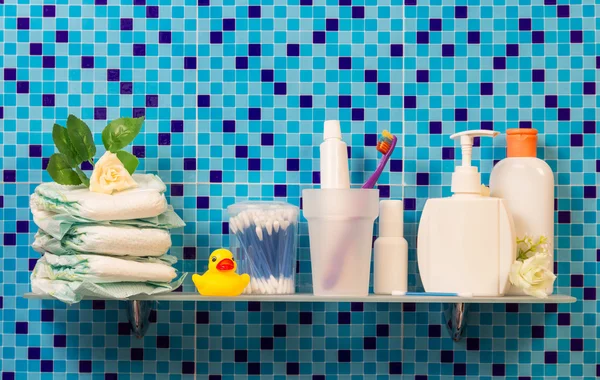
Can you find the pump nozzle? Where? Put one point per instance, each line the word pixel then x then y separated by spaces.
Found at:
pixel 466 179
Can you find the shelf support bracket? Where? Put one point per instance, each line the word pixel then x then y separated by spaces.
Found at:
pixel 138 314
pixel 455 318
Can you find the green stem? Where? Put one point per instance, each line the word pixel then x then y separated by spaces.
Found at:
pixel 84 179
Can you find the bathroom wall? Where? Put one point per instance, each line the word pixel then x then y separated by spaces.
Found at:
pixel 234 95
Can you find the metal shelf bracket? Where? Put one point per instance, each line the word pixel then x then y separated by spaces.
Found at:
pixel 138 314
pixel 455 318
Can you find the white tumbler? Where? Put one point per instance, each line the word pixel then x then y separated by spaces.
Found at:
pixel 340 227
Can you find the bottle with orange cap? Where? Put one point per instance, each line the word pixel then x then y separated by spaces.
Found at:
pixel 526 184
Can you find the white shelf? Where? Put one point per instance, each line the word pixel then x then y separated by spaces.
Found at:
pixel 304 297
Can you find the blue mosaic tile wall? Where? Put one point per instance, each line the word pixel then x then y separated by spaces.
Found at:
pixel 234 94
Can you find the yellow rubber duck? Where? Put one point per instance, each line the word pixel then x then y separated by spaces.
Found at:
pixel 220 279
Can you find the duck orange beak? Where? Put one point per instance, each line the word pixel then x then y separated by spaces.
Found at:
pixel 225 264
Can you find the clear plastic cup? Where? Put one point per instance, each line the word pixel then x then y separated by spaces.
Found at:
pixel 340 228
pixel 264 241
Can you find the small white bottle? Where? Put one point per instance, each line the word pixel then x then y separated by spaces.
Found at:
pixel 526 184
pixel 334 158
pixel 390 262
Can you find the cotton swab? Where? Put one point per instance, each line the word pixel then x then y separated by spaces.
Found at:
pixel 266 234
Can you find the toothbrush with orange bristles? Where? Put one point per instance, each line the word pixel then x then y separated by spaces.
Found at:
pixel 385 145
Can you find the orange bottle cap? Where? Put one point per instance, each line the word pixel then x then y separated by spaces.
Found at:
pixel 521 142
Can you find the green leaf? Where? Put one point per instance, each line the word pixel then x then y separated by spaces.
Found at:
pixel 84 179
pixel 61 171
pixel 128 160
pixel 121 132
pixel 63 143
pixel 81 138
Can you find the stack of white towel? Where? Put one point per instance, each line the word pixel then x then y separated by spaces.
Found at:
pixel 95 244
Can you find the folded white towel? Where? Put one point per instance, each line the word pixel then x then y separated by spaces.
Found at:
pixel 146 200
pixel 106 240
pixel 102 269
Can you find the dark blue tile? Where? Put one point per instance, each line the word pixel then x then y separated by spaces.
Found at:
pixel 358 11
pixel 254 369
pixel 344 356
pixel 306 101
pixel 395 368
pixel 292 368
pixel 163 341
pixel 537 332
pixel 254 114
pixel 461 11
pixel 293 164
pixel 280 190
pixel 472 344
pixel 435 24
pixel 203 101
pixel 460 369
pixel 85 366
pixel 216 176
pixel 241 356
pixel 474 37
pixel 293 50
pixel 331 24
pixel 47 366
pixel 228 24
pixel 188 368
pixel 563 11
pixel 202 202
pixel 189 63
pixel 229 126
pixel 396 50
pixel 345 63
pixel 498 370
pixel 383 330
pixel 254 11
pixel 254 164
pixel 434 331
pixel 126 24
pixel 189 253
pixel 447 356
pixel 279 331
pixel 137 354
pixel 241 63
pixel 550 357
pixel 266 343
pixel 280 88
pixel 202 317
pixel 254 50
pixel 266 139
pixel 33 353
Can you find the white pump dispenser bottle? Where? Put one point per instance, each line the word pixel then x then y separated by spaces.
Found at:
pixel 466 243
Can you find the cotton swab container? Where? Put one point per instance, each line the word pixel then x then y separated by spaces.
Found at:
pixel 264 240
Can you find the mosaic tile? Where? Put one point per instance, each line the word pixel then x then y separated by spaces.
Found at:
pixel 234 94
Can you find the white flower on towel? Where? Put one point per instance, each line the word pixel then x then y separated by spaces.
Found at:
pixel 533 275
pixel 110 175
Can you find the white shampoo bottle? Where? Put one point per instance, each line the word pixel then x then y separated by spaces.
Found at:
pixel 526 184
pixel 390 262
pixel 334 158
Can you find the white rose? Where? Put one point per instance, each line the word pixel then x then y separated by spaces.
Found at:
pixel 533 275
pixel 110 175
